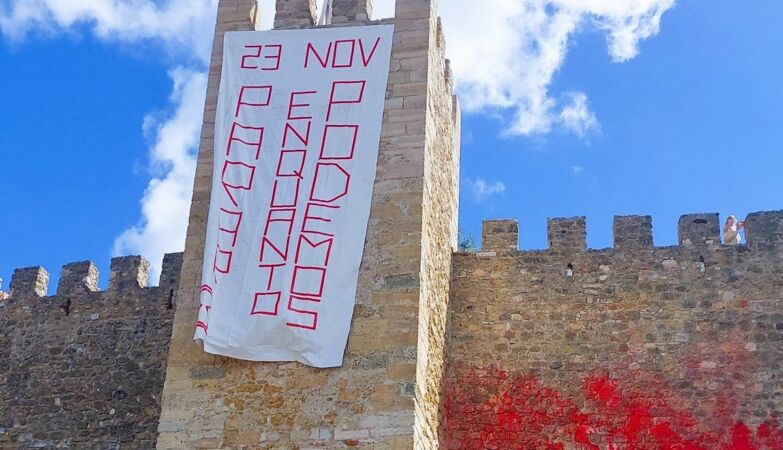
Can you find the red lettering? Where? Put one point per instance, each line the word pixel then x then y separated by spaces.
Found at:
pixel 266 303
pixel 252 137
pixel 285 192
pixel 325 179
pixel 279 225
pixel 312 316
pixel 304 138
pixel 366 60
pixel 266 243
pixel 272 268
pixel 323 61
pixel 245 57
pixel 229 223
pixel 264 93
pixel 341 54
pixel 312 217
pixel 222 261
pixel 352 44
pixel 238 176
pixel 345 93
pixel 291 163
pixel 339 142
pixel 276 57
pixel 305 278
pixel 305 243
pixel 292 105
pixel 258 54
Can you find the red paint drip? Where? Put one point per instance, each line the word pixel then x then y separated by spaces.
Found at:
pixel 488 409
pixel 603 390
pixel 742 438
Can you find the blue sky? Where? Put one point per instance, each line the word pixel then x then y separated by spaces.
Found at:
pixel 573 114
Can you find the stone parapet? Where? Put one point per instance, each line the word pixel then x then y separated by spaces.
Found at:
pixel 632 232
pixel 129 272
pixel 84 368
pixel 500 235
pixel 292 14
pixel 575 344
pixel 699 233
pixel 80 279
pixel 30 282
pixel 351 11
pixel 764 230
pixel 567 235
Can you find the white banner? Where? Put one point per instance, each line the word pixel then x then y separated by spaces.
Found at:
pixel 297 131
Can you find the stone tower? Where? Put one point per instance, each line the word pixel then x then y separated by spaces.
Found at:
pixel 387 393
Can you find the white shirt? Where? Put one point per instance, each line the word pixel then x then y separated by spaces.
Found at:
pixel 731 235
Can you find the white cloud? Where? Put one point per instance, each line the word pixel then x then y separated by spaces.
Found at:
pixel 576 116
pixel 510 64
pixel 183 27
pixel 577 170
pixel 506 68
pixel 166 202
pixel 481 190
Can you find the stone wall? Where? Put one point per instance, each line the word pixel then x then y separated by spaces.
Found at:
pixel 439 238
pixel 379 394
pixel 84 368
pixel 633 346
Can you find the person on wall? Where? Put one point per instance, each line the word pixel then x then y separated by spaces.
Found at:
pixel 731 231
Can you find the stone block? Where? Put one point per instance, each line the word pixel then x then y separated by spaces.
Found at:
pixel 500 235
pixel 170 272
pixel 78 278
pixel 30 282
pixel 351 11
pixel 292 14
pixel 764 230
pixel 567 235
pixel 632 232
pixel 699 230
pixel 128 272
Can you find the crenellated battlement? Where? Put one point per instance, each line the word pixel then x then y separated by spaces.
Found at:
pixel 687 326
pixel 442 346
pixel 298 14
pixel 128 276
pixel 764 232
pixel 84 357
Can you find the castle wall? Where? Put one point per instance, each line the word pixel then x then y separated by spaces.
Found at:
pixel 439 239
pixel 380 398
pixel 641 347
pixel 84 368
pixel 566 348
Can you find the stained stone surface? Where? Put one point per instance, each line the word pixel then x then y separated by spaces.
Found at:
pixel 659 347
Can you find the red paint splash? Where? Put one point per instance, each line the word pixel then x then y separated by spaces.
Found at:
pixel 487 409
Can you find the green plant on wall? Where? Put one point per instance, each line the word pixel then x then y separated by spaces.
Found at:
pixel 467 243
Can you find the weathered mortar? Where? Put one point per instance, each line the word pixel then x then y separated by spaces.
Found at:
pixel 83 368
pixel 386 395
pixel 665 333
